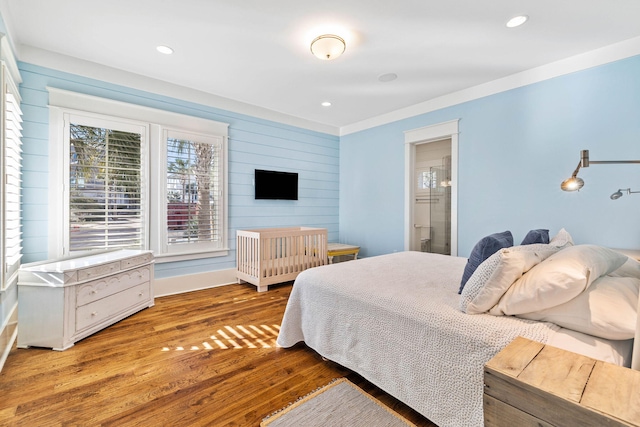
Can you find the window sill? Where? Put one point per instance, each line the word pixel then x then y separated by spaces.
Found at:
pixel 162 258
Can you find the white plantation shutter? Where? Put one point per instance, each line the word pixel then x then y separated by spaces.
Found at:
pixel 12 133
pixel 135 177
pixel 193 191
pixel 106 191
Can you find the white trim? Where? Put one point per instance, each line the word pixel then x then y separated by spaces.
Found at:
pixel 154 121
pixel 94 104
pixel 12 317
pixel 594 58
pixel 423 135
pixel 604 55
pixel 431 132
pixel 6 55
pixel 58 212
pixel 202 249
pixel 194 282
pixel 172 257
pixel 69 64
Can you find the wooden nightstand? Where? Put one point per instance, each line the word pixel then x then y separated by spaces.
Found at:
pixel 531 384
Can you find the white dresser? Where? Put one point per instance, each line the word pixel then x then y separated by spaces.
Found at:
pixel 62 301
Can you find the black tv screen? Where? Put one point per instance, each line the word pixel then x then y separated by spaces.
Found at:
pixel 276 185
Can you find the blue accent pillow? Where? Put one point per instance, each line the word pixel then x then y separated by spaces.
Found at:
pixel 486 247
pixel 536 236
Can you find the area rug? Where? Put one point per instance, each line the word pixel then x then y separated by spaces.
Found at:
pixel 338 404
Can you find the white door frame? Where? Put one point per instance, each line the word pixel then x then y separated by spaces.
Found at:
pixel 424 135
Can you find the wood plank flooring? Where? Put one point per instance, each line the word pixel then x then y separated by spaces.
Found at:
pixel 204 358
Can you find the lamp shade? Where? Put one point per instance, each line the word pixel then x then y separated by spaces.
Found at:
pixel 616 195
pixel 572 184
pixel 328 46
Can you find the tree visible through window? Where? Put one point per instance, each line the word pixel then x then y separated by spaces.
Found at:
pixel 192 192
pixel 105 192
pixel 136 177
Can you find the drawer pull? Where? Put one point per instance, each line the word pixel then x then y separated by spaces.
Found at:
pixel 140 294
pixel 94 291
pixel 95 313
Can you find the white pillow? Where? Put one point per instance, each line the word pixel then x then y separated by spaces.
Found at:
pixel 562 239
pixel 607 309
pixel 558 279
pixel 495 274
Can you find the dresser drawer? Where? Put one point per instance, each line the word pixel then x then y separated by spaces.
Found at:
pixel 97 311
pixel 138 260
pixel 98 271
pixel 100 288
pixel 67 299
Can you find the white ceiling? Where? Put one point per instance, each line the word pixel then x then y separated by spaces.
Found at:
pixel 257 51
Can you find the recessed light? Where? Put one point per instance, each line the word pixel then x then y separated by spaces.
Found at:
pixel 326 104
pixel 164 49
pixel 389 77
pixel 516 21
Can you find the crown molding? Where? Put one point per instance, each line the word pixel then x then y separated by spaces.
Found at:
pixel 594 58
pixel 72 65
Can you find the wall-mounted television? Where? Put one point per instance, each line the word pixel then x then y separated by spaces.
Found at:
pixel 276 185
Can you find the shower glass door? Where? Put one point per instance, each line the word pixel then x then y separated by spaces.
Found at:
pixel 440 209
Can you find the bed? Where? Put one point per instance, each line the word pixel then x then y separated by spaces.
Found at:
pixel 399 321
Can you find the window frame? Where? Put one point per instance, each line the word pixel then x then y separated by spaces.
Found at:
pixel 102 121
pixel 216 141
pixel 9 79
pixel 156 122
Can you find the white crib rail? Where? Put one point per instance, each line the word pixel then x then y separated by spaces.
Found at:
pixel 276 255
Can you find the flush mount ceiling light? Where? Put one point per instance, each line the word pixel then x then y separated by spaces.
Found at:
pixel 328 46
pixel 326 104
pixel 164 49
pixel 516 21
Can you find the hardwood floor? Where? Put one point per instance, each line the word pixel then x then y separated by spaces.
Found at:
pixel 195 359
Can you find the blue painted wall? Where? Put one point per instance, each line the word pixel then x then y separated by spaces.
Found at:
pixel 253 144
pixel 515 148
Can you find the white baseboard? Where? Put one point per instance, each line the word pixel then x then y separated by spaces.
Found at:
pixel 8 334
pixel 194 282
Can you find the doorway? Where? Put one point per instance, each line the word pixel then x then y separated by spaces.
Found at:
pixel 432 203
pixel 431 162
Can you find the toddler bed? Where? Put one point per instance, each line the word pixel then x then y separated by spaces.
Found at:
pixel 398 321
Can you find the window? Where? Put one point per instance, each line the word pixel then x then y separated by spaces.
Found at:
pixel 427 179
pixel 106 196
pixel 135 177
pixel 193 191
pixel 11 247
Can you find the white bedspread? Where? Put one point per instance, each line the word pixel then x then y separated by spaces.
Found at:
pixel 394 319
